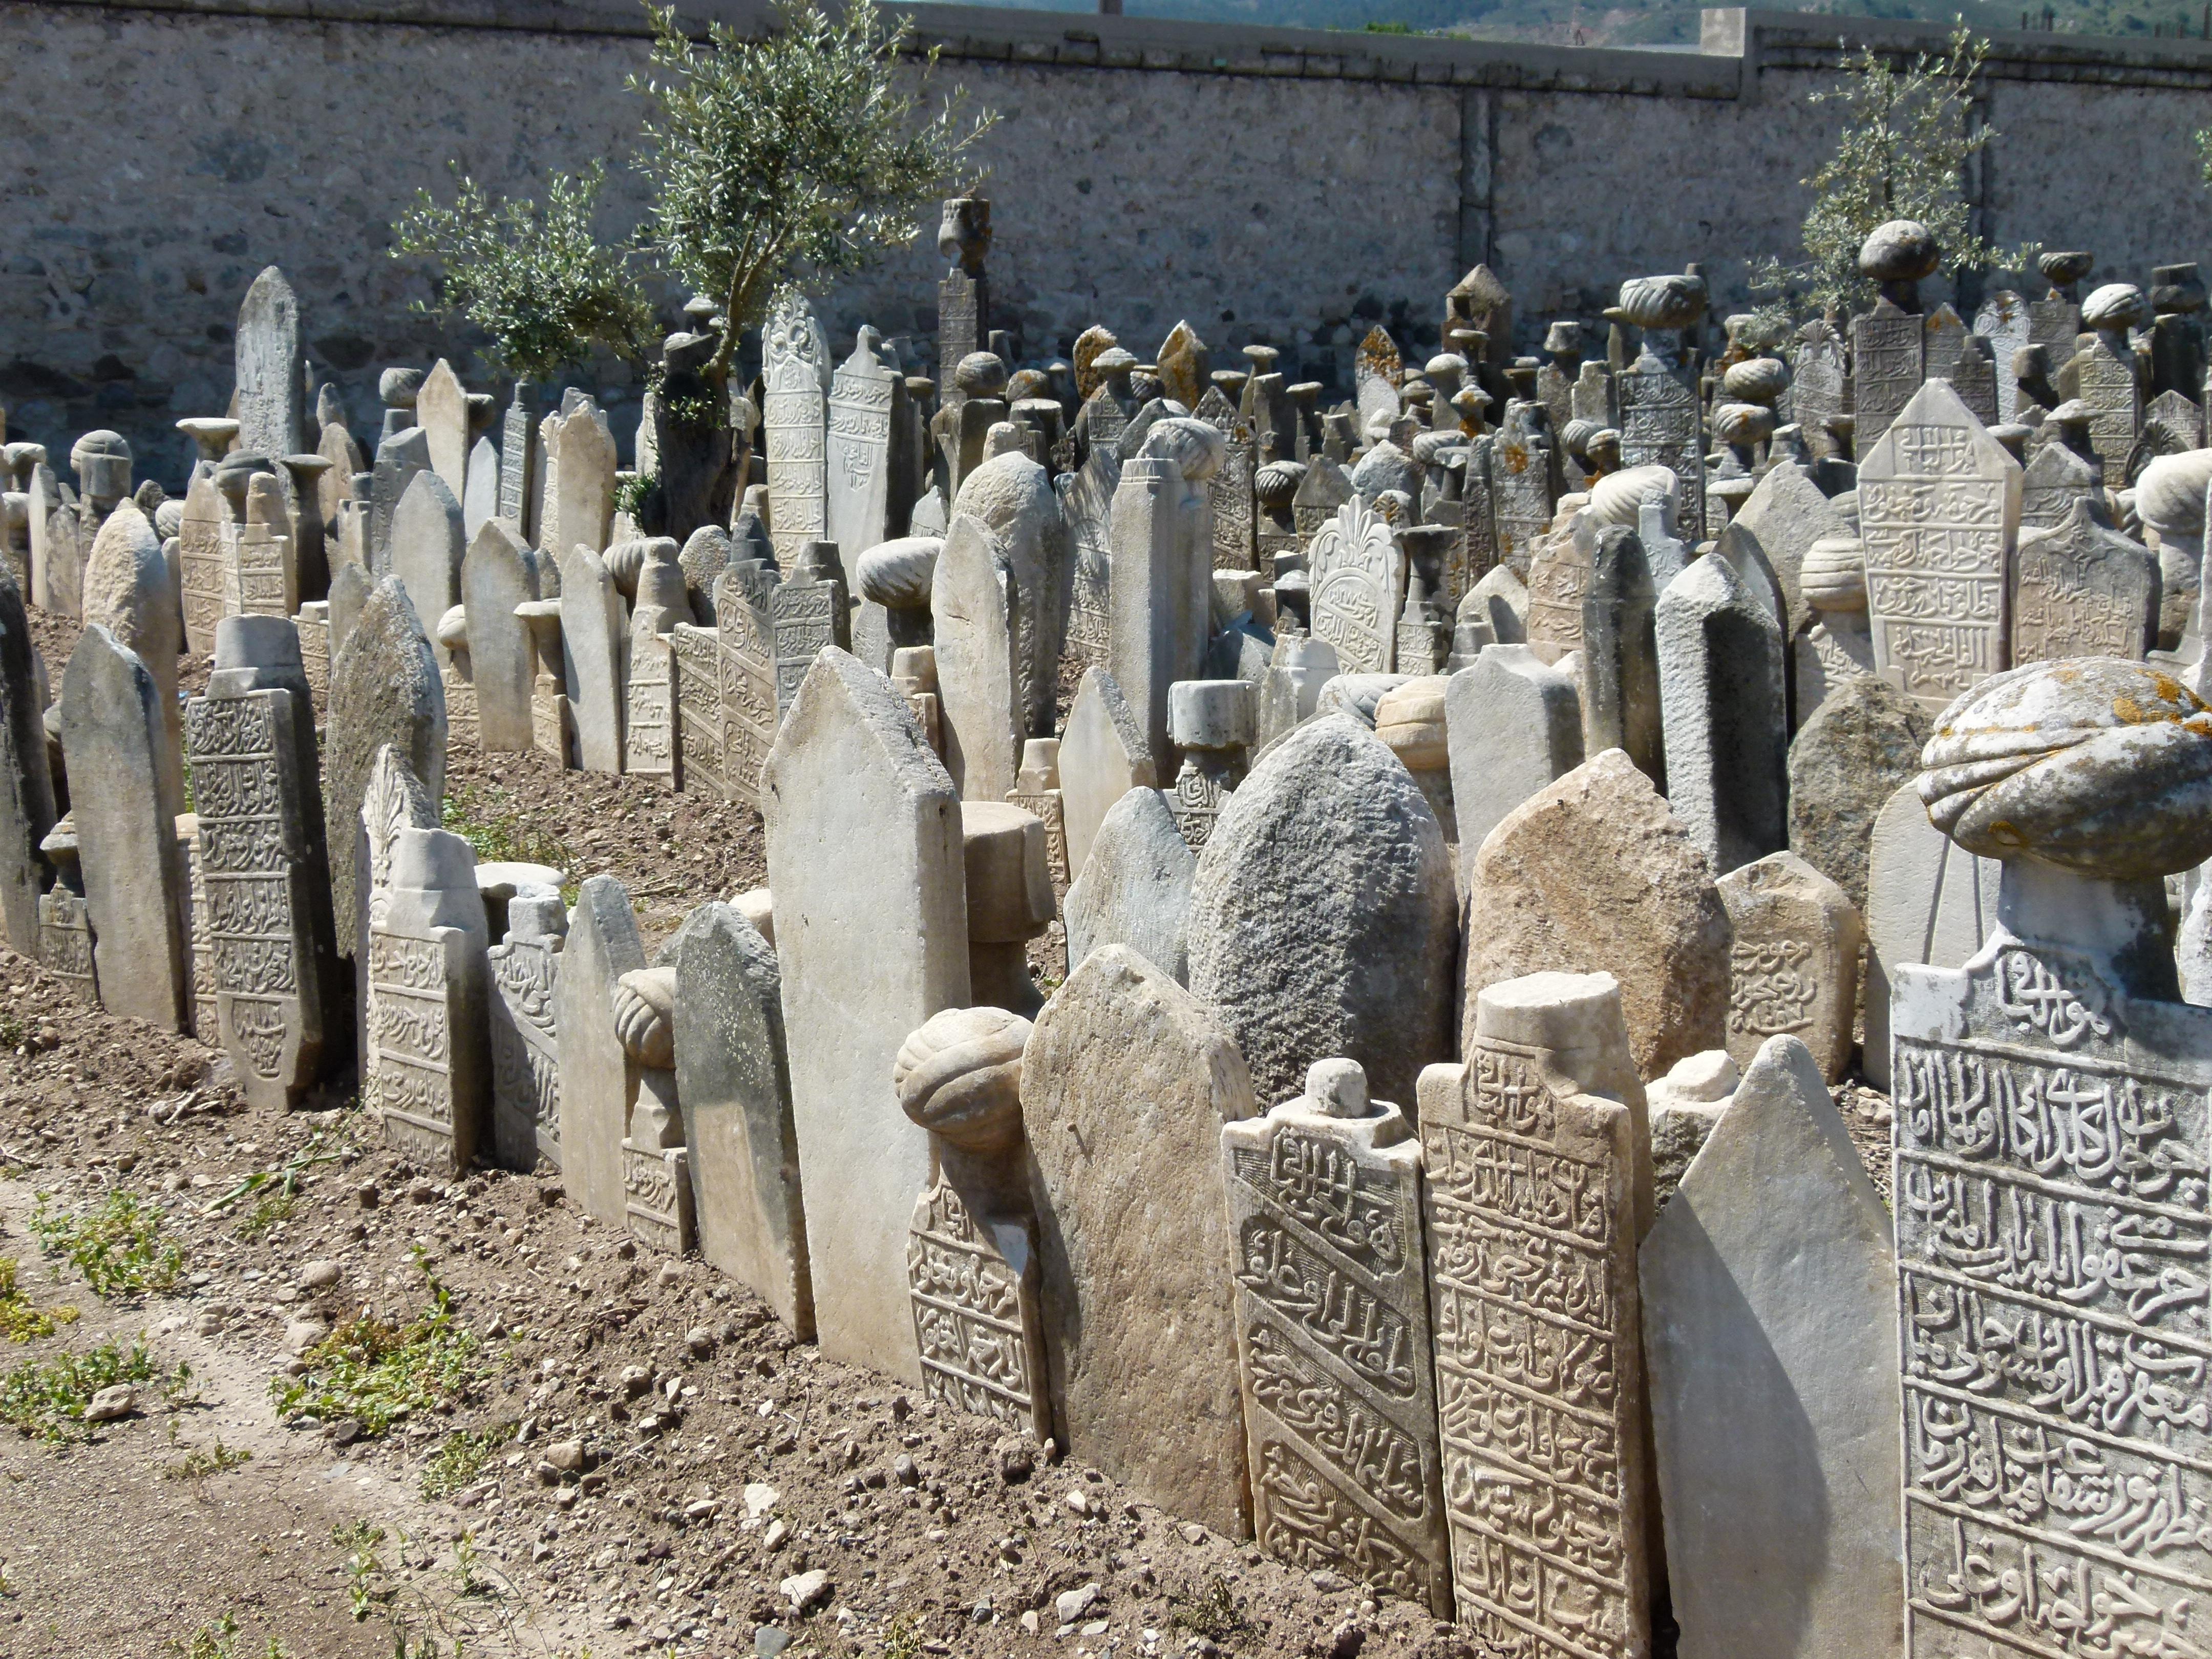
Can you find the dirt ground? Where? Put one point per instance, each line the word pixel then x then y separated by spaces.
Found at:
pixel 623 1454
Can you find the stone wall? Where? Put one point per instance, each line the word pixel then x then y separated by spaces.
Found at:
pixel 1266 184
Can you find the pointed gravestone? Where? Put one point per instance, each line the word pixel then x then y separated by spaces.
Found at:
pixel 1660 425
pixel 271 390
pixel 499 572
pixel 2002 321
pixel 1770 1326
pixel 1325 1200
pixel 1939 506
pixel 399 460
pixel 1928 901
pixel 441 409
pixel 27 781
pixel 264 864
pixel 1357 578
pixel 480 500
pixel 1126 1085
pixel 1012 497
pixel 127 592
pixel 1593 874
pixel 517 460
pixel 867 405
pixel 1887 367
pixel 201 562
pixel 1161 598
pixel 1086 503
pixel 1135 886
pixel 592 640
pixel 1619 656
pixel 733 1077
pixel 1292 960
pixel 383 690
pixel 976 683
pixel 1514 723
pixel 2056 479
pixel 1103 755
pixel 649 666
pixel 1535 1175
pixel 864 859
pixel 598 1076
pixel 429 1079
pixel 1860 747
pixel 393 800
pixel 1727 725
pixel 2082 589
pixel 795 376
pixel 525 1043
pixel 580 482
pixel 125 820
pixel 1793 961
pixel 428 545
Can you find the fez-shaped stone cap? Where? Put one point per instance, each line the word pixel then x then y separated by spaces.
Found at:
pixel 1277 482
pixel 103 445
pixel 1663 301
pixel 1337 1088
pixel 1115 360
pixel 645 1015
pixel 1618 497
pixel 397 387
pixel 897 574
pixel 1410 718
pixel 2176 288
pixel 2116 305
pixel 1832 575
pixel 1756 380
pixel 2094 764
pixel 209 429
pixel 1742 423
pixel 1211 713
pixel 1197 449
pixel 1902 251
pixel 914 669
pixel 2170 493
pixel 960 1076
pixel 1009 879
pixel 2065 269
pixel 980 375
pixel 1564 335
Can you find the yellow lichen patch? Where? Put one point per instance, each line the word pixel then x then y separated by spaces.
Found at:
pixel 2005 834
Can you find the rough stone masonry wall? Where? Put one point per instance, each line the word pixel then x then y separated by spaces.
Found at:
pixel 1268 184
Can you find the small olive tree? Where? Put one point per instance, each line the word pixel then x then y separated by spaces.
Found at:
pixel 1908 136
pixel 796 158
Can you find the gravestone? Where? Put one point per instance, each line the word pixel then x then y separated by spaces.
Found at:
pixel 1558 579
pixel 1850 759
pixel 480 502
pixel 66 941
pixel 201 562
pixel 383 690
pixel 593 637
pixel 1514 724
pixel 26 780
pixel 867 405
pixel 2082 589
pixel 1769 1328
pixel 1126 1085
pixel 1928 900
pixel 264 877
pixel 977 686
pixel 1296 956
pixel 1333 1342
pixel 656 1175
pixel 1593 874
pixel 1103 755
pixel 271 389
pixel 1161 588
pixel 392 798
pixel 1036 791
pixel 599 1074
pixel 313 625
pixel 808 614
pixel 1212 723
pixel 1357 578
pixel 1724 708
pixel 1236 512
pixel 428 545
pixel 795 378
pixel 2110 387
pixel 1887 367
pixel 1520 500
pixel 125 811
pixel 430 1077
pixel 525 1041
pixel 649 692
pixel 1134 888
pixel 964 292
pixel 127 592
pixel 441 409
pixel 2002 321
pixel 204 1022
pixel 263 575
pixel 399 460
pixel 1660 426
pixel 580 482
pixel 1086 504
pixel 1794 960
pixel 518 457
pixel 1535 1176
pixel 1785 515
pixel 499 572
pixel 864 859
pixel 733 1076
pixel 1939 506
pixel 1619 662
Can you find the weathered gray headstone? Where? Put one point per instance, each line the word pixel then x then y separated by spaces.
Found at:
pixel 526 1042
pixel 1514 724
pixel 1296 954
pixel 864 859
pixel 593 637
pixel 1618 659
pixel 1358 574
pixel 202 561
pixel 399 459
pixel 580 482
pixel 1103 755
pixel 979 695
pixel 127 592
pixel 498 572
pixel 271 390
pixel 734 1078
pixel 1785 515
pixel 1770 1326
pixel 1134 888
pixel 27 779
pixel 1888 364
pixel 867 405
pixel 1126 1085
pixel 1722 699
pixel 1334 1344
pixel 598 1075
pixel 1860 747
pixel 2082 589
pixel 125 816
pixel 480 501
pixel 1161 591
pixel 430 1076
pixel 441 409
pixel 795 379
pixel 1928 900
pixel 1793 963
pixel 428 546
pixel 809 614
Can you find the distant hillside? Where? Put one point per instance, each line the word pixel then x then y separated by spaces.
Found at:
pixel 1639 23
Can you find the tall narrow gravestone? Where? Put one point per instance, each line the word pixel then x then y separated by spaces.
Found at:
pixel 865 858
pixel 271 390
pixel 27 779
pixel 1532 1196
pixel 2052 1212
pixel 1939 507
pixel 1357 577
pixel 526 1039
pixel 125 818
pixel 593 636
pixel 795 378
pixel 499 572
pixel 867 405
pixel 425 968
pixel 1333 1340
pixel 599 1074
pixel 263 871
pixel 1722 705
pixel 733 1076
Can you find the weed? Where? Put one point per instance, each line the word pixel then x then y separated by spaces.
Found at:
pixel 200 1461
pixel 1212 1613
pixel 19 1321
pixel 486 819
pixel 463 1456
pixel 13 1032
pixel 44 1398
pixel 362 1567
pixel 219 1641
pixel 468 1578
pixel 119 1247
pixel 274 1206
pixel 277 1207
pixel 902 1637
pixel 376 1373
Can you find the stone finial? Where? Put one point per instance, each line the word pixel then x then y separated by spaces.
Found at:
pixel 2176 290
pixel 1198 450
pixel 1338 1088
pixel 960 1076
pixel 2115 306
pixel 397 387
pixel 1756 380
pixel 1901 250
pixel 1663 301
pixel 1618 497
pixel 897 574
pixel 980 374
pixel 2094 765
pixel 645 1015
pixel 2170 493
pixel 212 433
pixel 1740 424
pixel 1277 483
pixel 964 234
pixel 2062 270
pixel 101 461
pixel 1832 575
pixel 1564 338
